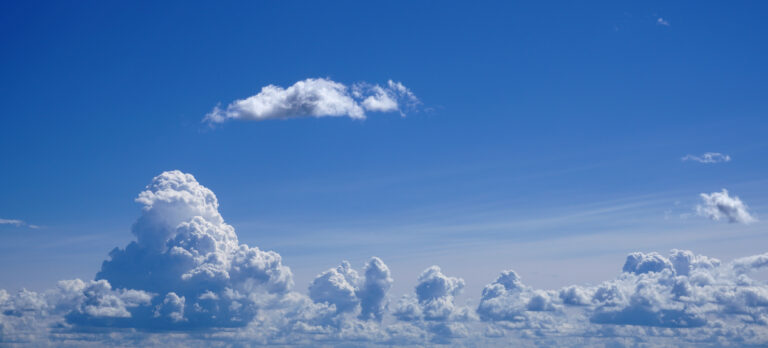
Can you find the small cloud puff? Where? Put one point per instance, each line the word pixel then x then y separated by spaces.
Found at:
pixel 719 205
pixel 319 97
pixel 709 157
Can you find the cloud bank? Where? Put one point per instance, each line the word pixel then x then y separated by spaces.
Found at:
pixel 186 280
pixel 320 97
pixel 720 206
pixel 709 157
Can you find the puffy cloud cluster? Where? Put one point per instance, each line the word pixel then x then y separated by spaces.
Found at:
pixel 720 206
pixel 434 301
pixel 433 310
pixel 188 257
pixel 187 280
pixel 347 292
pixel 709 157
pixel 691 298
pixel 317 98
pixel 507 298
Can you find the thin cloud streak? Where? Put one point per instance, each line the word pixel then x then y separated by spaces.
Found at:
pixel 17 223
pixel 708 158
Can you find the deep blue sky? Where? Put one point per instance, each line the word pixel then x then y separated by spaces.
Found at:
pixel 548 131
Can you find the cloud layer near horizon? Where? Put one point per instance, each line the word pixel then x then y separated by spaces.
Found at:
pixel 187 280
pixel 319 97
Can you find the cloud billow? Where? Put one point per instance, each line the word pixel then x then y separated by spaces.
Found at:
pixel 721 206
pixel 186 280
pixel 317 97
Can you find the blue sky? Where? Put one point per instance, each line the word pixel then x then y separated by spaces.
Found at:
pixel 549 136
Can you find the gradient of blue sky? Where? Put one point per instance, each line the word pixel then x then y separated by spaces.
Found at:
pixel 550 136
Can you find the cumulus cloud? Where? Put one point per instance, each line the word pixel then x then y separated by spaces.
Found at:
pixel 698 298
pixel 186 254
pixel 319 97
pixel 373 291
pixel 709 157
pixel 720 206
pixel 508 299
pixel 186 280
pixel 434 301
pixel 337 287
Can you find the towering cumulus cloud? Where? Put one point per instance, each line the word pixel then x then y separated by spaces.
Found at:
pixel 317 98
pixel 186 254
pixel 186 280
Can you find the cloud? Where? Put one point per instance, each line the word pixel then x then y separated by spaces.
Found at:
pixel 640 263
pixel 709 157
pixel 348 295
pixel 185 252
pixel 373 291
pixel 699 298
pixel 11 222
pixel 507 299
pixel 186 280
pixel 662 21
pixel 319 97
pixel 337 287
pixel 17 223
pixel 719 205
pixel 435 294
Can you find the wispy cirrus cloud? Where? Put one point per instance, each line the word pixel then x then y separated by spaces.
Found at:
pixel 17 223
pixel 709 157
pixel 317 97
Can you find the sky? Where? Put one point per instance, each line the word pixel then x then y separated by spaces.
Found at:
pixel 549 138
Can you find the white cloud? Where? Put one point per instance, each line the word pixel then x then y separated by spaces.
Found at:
pixel 434 301
pixel 709 157
pixel 11 222
pixel 337 287
pixel 185 253
pixel 187 281
pixel 17 223
pixel 719 205
pixel 349 295
pixel 317 98
pixel 662 21
pixel 373 290
pixel 508 299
